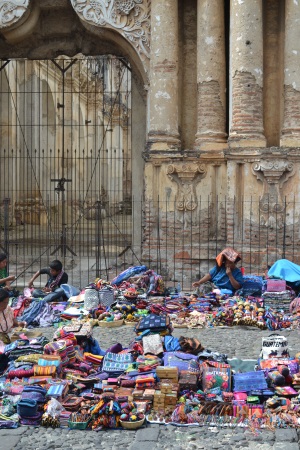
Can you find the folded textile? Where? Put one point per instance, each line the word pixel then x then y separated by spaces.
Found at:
pixel 33 311
pixel 95 359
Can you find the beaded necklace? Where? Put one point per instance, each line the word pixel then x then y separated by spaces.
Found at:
pixel 4 331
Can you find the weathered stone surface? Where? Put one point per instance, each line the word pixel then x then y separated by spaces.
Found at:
pixel 286 435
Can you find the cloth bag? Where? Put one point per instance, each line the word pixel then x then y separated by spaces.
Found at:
pixel 154 323
pixel 152 344
pixel 116 362
pixel 178 359
pixel 274 346
pixel 216 377
pixel 247 381
pixel 27 408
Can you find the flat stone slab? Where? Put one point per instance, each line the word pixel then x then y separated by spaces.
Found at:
pixel 286 446
pixel 148 445
pixel 12 432
pixel 286 435
pixel 147 434
pixel 8 442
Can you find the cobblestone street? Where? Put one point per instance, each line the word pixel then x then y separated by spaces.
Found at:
pixel 235 342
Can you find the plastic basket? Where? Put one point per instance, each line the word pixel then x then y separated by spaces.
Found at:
pixel 78 425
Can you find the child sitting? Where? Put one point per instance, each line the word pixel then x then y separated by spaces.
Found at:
pixel 52 290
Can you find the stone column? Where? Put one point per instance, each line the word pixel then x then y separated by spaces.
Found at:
pixel 290 136
pixel 211 74
pixel 163 96
pixel 246 72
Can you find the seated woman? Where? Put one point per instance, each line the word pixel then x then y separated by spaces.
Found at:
pixel 225 274
pixel 7 319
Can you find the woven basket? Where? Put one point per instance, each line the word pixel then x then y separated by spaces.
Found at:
pixel 115 323
pixel 175 325
pixel 132 425
pixel 128 322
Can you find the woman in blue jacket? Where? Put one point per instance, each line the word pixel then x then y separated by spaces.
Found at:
pixel 225 274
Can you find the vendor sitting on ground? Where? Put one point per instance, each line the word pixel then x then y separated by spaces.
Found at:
pixel 52 290
pixel 7 319
pixel 225 274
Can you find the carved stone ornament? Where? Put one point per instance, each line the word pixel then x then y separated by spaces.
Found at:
pixel 273 174
pixel 186 176
pixel 130 17
pixel 12 11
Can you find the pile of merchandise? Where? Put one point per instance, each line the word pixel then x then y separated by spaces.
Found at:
pixel 158 379
pixel 71 382
pixel 137 291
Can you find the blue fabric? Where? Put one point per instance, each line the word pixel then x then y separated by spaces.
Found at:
pixel 127 274
pixel 92 346
pixel 171 344
pixel 69 290
pixel 220 278
pixel 32 311
pixel 50 297
pixel 285 270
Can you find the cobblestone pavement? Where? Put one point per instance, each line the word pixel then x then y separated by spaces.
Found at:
pixel 238 342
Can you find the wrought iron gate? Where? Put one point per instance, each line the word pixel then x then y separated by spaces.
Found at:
pixel 65 163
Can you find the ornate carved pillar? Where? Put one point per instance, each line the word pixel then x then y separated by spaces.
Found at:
pixel 211 74
pixel 163 96
pixel 290 136
pixel 246 72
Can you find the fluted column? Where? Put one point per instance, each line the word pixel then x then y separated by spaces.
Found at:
pixel 211 74
pixel 163 96
pixel 290 136
pixel 246 72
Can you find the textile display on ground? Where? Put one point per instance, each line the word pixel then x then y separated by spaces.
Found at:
pixel 72 382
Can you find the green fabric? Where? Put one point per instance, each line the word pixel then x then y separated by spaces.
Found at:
pixel 242 365
pixel 3 274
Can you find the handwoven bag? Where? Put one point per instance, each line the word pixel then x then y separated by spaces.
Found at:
pixel 27 408
pixel 152 344
pixel 178 359
pixel 247 381
pixel 274 346
pixel 116 362
pixel 91 299
pixel 34 392
pixel 44 370
pixel 216 377
pixel 153 322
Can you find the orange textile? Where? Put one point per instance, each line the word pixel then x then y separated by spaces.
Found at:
pixel 230 254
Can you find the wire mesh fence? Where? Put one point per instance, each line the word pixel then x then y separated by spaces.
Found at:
pixel 66 185
pixel 181 246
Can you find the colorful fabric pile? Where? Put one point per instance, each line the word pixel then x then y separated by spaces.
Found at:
pixel 158 378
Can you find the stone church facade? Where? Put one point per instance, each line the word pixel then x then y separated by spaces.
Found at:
pixel 215 111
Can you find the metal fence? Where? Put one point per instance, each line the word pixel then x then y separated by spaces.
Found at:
pixel 66 185
pixel 181 246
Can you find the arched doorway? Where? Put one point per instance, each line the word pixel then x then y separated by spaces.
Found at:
pixel 67 127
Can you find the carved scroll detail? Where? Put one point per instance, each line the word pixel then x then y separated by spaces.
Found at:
pixel 273 174
pixel 130 17
pixel 186 176
pixel 12 11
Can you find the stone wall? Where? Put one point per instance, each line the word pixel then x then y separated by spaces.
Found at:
pixel 217 111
